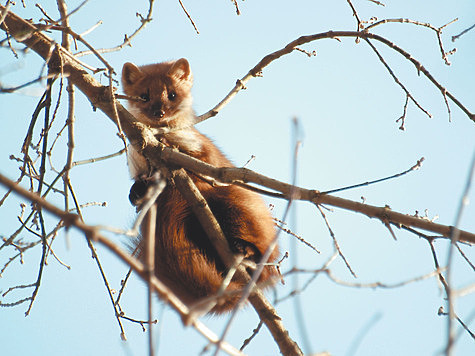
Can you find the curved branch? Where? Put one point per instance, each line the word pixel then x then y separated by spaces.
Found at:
pixel 290 47
pixel 139 136
pixel 142 138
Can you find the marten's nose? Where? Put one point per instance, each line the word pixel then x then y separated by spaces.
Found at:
pixel 157 110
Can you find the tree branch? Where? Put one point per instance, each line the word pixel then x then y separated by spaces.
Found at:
pixel 291 46
pixel 143 139
pixel 139 136
pixel 61 61
pixel 93 234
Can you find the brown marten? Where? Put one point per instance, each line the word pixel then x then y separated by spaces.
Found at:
pixel 185 259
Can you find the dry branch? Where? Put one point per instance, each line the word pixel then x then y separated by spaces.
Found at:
pixel 127 38
pixel 290 47
pixel 144 140
pixel 137 133
pixel 62 62
pixel 262 306
pixel 93 234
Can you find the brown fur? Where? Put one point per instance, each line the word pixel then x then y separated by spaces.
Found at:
pixel 185 259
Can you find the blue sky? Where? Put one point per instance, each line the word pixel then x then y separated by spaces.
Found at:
pixel 346 104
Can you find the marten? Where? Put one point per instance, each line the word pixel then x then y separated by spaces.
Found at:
pixel 185 259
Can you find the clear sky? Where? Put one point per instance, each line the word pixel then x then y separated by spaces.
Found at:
pixel 347 106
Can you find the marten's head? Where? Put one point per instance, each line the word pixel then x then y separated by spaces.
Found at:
pixel 164 90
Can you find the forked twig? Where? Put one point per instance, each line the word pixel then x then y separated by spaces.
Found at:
pixel 127 38
pixel 290 47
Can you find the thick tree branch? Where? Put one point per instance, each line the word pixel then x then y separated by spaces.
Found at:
pixel 244 175
pixel 61 61
pixel 139 136
pixel 143 139
pixel 264 309
pixel 93 234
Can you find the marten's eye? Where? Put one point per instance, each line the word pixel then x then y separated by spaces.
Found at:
pixel 145 97
pixel 171 95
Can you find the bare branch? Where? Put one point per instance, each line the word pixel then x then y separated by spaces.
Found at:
pixel 413 168
pixel 456 37
pixel 377 2
pixel 254 333
pixel 281 225
pixel 59 61
pixel 238 12
pixel 189 17
pixel 438 32
pixel 98 159
pixel 335 242
pixel 93 235
pixel 127 38
pixel 355 14
pixel 209 223
pixel 290 47
pixel 396 79
pixel 454 238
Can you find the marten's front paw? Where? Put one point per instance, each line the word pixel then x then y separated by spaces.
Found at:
pixel 138 191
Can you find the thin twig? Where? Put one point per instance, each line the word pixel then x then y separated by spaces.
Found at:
pixel 377 2
pixel 99 264
pixel 189 17
pixel 355 14
pixel 413 168
pixel 441 312
pixel 238 12
pixel 402 118
pixel 66 43
pixel 352 349
pixel 437 30
pixel 21 86
pixel 254 334
pixel 98 159
pixel 454 238
pixel 288 345
pixel 47 105
pixel 456 37
pixel 127 38
pixel 396 79
pixel 300 238
pixel 335 242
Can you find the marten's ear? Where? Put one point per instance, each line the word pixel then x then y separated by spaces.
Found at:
pixel 181 70
pixel 131 74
